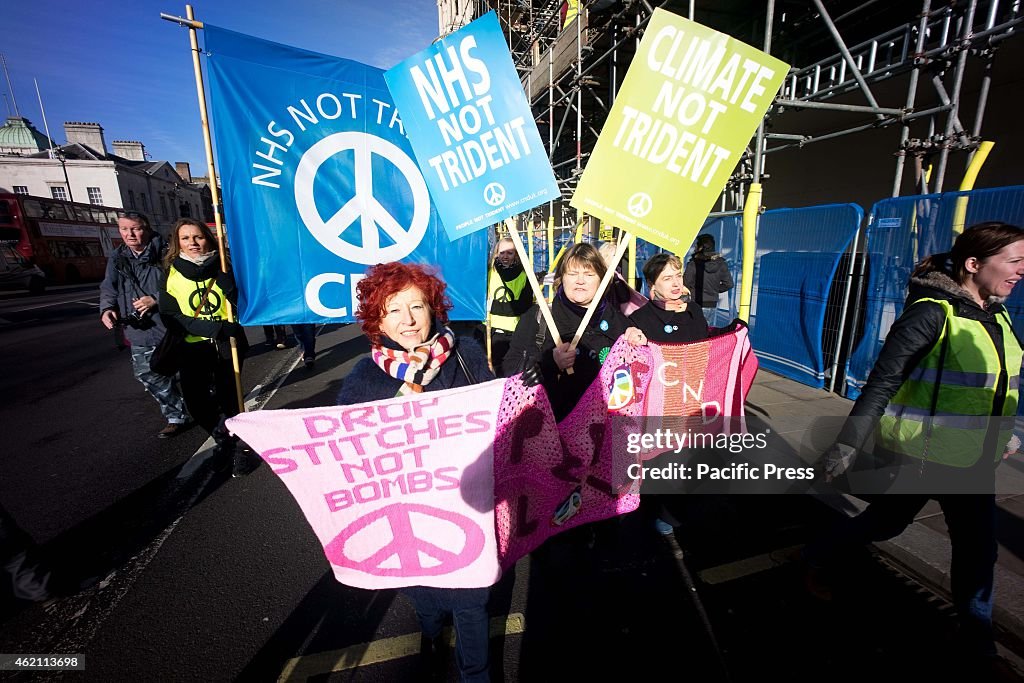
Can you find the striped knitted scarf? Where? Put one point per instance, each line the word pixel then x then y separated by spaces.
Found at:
pixel 417 367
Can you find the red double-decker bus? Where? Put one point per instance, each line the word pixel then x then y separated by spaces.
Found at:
pixel 69 241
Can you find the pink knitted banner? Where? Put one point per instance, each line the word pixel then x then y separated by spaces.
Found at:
pixel 449 488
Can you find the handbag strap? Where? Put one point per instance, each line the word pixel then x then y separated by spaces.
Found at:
pixel 465 370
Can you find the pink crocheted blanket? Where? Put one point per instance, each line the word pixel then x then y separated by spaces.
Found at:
pixel 450 488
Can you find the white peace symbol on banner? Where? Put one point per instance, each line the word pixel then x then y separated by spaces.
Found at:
pixel 363 207
pixel 640 204
pixel 494 193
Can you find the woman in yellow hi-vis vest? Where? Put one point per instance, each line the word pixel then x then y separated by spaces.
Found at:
pixel 941 402
pixel 195 300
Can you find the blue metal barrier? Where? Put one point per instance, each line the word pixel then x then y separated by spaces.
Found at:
pixel 904 230
pixel 798 252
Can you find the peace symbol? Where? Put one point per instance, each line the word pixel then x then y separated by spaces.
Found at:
pixel 363 207
pixel 212 304
pixel 503 295
pixel 640 204
pixel 406 546
pixel 494 193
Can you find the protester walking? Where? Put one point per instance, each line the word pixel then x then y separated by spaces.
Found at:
pixel 305 334
pixel 403 310
pixel 941 401
pixel 129 297
pixel 196 301
pixel 275 336
pixel 28 575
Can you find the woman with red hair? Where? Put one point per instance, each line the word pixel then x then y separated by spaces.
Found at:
pixel 403 311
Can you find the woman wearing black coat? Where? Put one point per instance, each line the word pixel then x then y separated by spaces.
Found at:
pixel 195 300
pixel 403 311
pixel 576 279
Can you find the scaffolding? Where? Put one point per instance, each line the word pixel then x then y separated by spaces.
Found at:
pixel 572 68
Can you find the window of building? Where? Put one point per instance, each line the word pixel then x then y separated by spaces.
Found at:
pixel 95 197
pixel 163 205
pixel 21 189
pixel 59 192
pixel 131 199
pixel 145 201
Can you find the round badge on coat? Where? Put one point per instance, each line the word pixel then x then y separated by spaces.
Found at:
pixel 668 329
pixel 604 325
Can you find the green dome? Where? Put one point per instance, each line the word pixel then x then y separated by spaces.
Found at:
pixel 19 134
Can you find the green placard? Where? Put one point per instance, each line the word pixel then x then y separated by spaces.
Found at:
pixel 691 101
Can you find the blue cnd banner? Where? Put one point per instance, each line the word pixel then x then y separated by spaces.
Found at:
pixel 319 183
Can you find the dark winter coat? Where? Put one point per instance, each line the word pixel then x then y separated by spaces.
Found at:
pixel 129 277
pixel 909 340
pixel 564 390
pixel 219 330
pixel 368 382
pixel 707 276
pixel 686 326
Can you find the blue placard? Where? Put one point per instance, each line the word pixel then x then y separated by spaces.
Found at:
pixel 320 183
pixel 472 129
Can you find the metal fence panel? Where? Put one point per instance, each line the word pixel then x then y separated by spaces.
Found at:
pixel 901 232
pixel 798 254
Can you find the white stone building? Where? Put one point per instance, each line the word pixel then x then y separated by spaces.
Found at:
pixel 83 171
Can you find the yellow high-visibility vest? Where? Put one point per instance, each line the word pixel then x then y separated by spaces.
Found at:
pixel 947 406
pixel 190 294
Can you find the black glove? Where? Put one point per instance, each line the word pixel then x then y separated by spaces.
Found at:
pixel 532 376
pixel 228 330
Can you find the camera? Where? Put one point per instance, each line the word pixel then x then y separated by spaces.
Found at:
pixel 139 321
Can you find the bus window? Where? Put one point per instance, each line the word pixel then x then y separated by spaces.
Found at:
pixel 36 208
pixel 5 213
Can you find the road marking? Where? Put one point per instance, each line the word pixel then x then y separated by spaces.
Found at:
pixel 383 650
pixel 92 304
pixel 750 566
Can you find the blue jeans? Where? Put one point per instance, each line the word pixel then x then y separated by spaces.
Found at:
pixel 306 336
pixel 710 314
pixel 971 520
pixel 164 389
pixel 468 607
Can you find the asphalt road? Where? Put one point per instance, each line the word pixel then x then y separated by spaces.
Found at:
pixel 173 572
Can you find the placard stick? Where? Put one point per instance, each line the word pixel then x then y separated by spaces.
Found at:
pixel 608 275
pixel 532 277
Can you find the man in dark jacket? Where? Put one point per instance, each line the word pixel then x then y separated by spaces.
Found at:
pixel 706 276
pixel 128 300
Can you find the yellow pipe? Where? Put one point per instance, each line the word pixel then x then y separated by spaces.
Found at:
pixel 751 209
pixel 977 161
pixel 214 191
pixel 551 240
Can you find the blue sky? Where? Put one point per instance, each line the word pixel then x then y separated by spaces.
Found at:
pixel 117 63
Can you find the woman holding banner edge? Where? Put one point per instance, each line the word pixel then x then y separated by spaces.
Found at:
pixel 533 351
pixel 403 311
pixel 670 317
